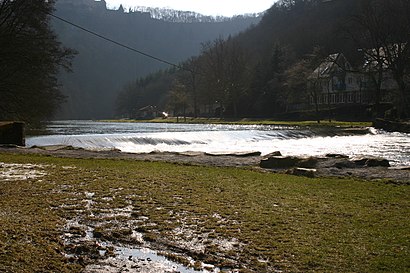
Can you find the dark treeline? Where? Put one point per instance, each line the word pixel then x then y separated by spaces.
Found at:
pixel 264 71
pixel 100 69
pixel 30 60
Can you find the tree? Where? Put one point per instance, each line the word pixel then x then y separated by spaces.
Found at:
pixel 129 99
pixel 192 67
pixel 178 98
pixel 149 90
pixel 30 59
pixel 267 81
pixel 226 72
pixel 296 87
pixel 385 33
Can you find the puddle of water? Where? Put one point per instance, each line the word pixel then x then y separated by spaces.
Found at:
pixel 133 259
pixel 15 172
pixel 117 257
pixel 155 262
pixel 141 260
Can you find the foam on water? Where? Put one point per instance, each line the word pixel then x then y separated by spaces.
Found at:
pixel 149 137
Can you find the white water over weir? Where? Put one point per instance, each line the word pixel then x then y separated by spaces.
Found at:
pixel 162 137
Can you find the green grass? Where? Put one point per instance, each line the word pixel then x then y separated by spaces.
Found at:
pixel 247 121
pixel 278 221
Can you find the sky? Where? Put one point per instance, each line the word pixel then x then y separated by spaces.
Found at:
pixel 205 7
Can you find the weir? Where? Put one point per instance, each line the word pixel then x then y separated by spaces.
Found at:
pixel 228 139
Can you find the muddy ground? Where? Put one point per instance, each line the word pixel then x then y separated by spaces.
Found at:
pixel 99 233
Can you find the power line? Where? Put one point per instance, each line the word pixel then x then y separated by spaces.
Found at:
pixel 117 43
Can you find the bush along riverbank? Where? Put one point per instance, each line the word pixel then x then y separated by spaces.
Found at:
pixel 93 215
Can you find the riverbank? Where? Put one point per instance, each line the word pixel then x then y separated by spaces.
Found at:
pixel 67 210
pixel 337 167
pixel 250 121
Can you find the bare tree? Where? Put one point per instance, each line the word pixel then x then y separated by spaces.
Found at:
pixel 385 36
pixel 225 72
pixel 304 80
pixel 192 66
pixel 178 99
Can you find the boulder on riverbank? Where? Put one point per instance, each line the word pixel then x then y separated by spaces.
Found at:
pixel 279 162
pixel 372 162
pixel 330 161
pixel 285 162
pixel 330 165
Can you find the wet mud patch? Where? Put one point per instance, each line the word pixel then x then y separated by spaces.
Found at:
pixel 115 234
pixel 139 260
pixel 104 215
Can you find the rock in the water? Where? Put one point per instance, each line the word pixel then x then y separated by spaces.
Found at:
pixel 337 156
pixel 360 161
pixel 372 162
pixel 277 153
pixel 237 154
pixel 377 162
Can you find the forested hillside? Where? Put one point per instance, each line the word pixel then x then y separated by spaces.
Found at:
pixel 263 72
pixel 101 68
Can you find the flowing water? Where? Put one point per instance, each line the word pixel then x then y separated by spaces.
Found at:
pixel 162 137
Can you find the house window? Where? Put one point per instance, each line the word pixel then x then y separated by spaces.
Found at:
pixel 333 98
pixel 359 97
pixel 325 98
pixel 342 97
pixel 350 80
pixel 349 97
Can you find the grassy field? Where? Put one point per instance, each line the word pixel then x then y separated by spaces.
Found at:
pixel 247 121
pixel 253 221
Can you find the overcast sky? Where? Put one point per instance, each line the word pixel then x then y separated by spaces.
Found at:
pixel 206 7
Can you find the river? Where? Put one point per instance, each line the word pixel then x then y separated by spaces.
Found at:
pixel 211 138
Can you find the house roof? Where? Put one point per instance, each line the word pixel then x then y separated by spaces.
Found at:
pixel 331 65
pixel 148 108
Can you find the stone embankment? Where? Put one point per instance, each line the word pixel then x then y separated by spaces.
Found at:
pixel 12 133
pixel 392 126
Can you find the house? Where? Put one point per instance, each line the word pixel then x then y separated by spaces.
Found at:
pixel 148 112
pixel 335 82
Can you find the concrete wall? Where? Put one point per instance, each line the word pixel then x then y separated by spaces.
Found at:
pixel 12 133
